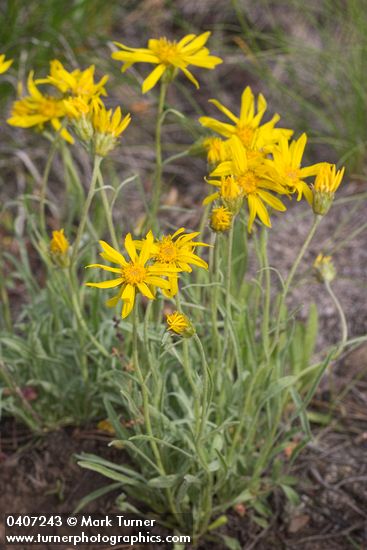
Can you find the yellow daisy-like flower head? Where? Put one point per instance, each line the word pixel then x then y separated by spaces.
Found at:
pixel 253 180
pixel 134 275
pixel 4 63
pixel 108 126
pixel 59 248
pixel 169 56
pixel 326 183
pixel 229 192
pixel 180 324
pixel 37 110
pixel 78 83
pixel 324 268
pixel 286 163
pixel 247 126
pixel 216 150
pixel 79 111
pixel 77 107
pixel 220 219
pixel 177 250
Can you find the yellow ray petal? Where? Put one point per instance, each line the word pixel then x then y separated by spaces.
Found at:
pixel 197 43
pixel 107 284
pixel 130 247
pixel 191 77
pixel 112 255
pixel 153 78
pixel 221 128
pixel 239 157
pixel 144 289
pixel 224 110
pixel 274 202
pixel 105 267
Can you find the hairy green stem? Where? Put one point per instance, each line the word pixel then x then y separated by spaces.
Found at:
pixel 207 500
pixel 44 183
pixel 4 296
pixel 213 298
pixel 350 237
pixel 316 222
pixel 266 310
pixel 85 327
pixel 157 189
pixel 205 371
pixel 107 211
pixel 186 363
pixel 177 156
pixel 204 220
pixel 343 320
pixel 146 413
pixel 228 294
pixel 87 205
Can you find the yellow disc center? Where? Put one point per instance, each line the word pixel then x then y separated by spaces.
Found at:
pixel 167 252
pixel 49 108
pixel 246 134
pixel 248 182
pixel 230 189
pixel 292 174
pixel 134 273
pixel 166 51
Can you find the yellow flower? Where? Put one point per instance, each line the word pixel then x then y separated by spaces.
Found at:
pixel 324 268
pixel 78 83
pixel 107 128
pixel 326 183
pixel 76 107
pixel 59 248
pixel 253 179
pixel 107 122
pixel 180 324
pixel 169 56
pixel 247 126
pixel 176 251
pixel 220 219
pixel 216 150
pixel 59 243
pixel 229 192
pixel 37 109
pixel 79 111
pixel 4 64
pixel 135 275
pixel 286 162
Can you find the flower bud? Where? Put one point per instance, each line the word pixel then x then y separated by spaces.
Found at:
pixel 216 150
pixel 220 219
pixel 231 194
pixel 326 183
pixel 108 126
pixel 324 269
pixel 59 248
pixel 180 324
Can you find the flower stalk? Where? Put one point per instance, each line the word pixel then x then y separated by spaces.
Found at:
pixel 86 208
pixel 157 182
pixel 316 222
pixel 107 210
